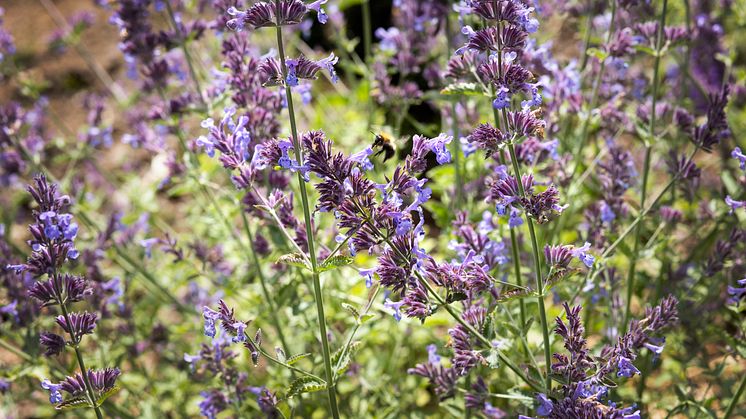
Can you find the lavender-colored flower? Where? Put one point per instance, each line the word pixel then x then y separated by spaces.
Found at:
pixel 441 378
pixel 626 368
pixel 483 40
pixel 396 307
pixel 78 324
pixel 55 396
pixel 52 342
pixel 738 155
pixel 60 289
pixel 487 138
pixel 545 405
pixel 737 293
pixel 734 204
pixel 210 317
pixel 214 402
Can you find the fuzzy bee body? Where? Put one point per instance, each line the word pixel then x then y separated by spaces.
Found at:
pixel 386 144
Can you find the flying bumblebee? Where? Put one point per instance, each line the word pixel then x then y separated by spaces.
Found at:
pixel 386 143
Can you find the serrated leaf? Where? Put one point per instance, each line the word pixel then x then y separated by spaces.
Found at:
pixel 341 358
pixel 294 259
pixel 304 385
pixel 493 358
pixel 295 358
pixel 73 404
pixel 515 295
pixel 352 310
pixel 462 88
pixel 102 398
pixel 334 262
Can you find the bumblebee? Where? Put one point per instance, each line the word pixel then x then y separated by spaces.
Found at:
pixel 386 143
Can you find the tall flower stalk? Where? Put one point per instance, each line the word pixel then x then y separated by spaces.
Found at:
pixel 53 235
pixel 318 297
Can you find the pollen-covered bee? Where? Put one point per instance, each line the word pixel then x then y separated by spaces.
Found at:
pixel 386 143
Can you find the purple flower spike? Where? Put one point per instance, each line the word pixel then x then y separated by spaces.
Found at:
pixel 53 343
pixel 79 323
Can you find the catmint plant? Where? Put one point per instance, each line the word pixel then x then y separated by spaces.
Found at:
pixel 303 208
pixel 53 233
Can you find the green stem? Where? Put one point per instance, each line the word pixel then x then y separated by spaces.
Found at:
pixel 537 269
pixel 456 316
pixel 646 165
pixel 532 234
pixel 358 323
pixel 16 351
pixel 475 333
pixel 513 237
pixel 513 241
pixel 640 217
pixel 330 387
pixel 263 282
pixel 83 370
pixel 736 397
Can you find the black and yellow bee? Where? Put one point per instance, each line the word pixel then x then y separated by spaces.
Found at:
pixel 386 143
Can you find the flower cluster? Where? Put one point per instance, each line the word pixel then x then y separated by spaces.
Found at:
pixel 589 378
pixel 53 234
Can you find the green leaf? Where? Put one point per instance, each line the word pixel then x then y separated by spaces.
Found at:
pixel 294 259
pixel 365 317
pixel 645 49
pixel 295 358
pixel 352 310
pixel 515 295
pixel 334 262
pixel 304 385
pixel 493 358
pixel 102 398
pixel 263 208
pixel 341 358
pixel 462 88
pixel 76 403
pixel 597 53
